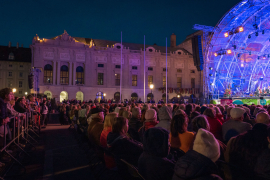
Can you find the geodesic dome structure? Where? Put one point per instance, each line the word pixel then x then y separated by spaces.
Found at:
pixel 238 53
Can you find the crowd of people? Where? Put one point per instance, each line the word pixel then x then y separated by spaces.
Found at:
pixel 164 141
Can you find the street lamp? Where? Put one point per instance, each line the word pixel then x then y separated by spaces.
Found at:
pixel 26 93
pixel 151 87
pixel 178 96
pixel 14 90
pixel 104 94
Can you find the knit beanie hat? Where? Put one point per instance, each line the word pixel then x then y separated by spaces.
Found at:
pixel 150 114
pixel 206 144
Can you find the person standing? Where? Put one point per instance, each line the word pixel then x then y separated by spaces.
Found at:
pixel 44 112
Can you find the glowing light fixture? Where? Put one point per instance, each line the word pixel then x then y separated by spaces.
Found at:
pixel 229 51
pixel 178 96
pixel 242 65
pixel 210 68
pixel 14 90
pixel 261 78
pixel 104 94
pixel 241 29
pixel 151 86
pixel 226 34
pixel 216 54
pixel 25 93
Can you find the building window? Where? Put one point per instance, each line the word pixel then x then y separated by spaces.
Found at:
pixel 179 70
pixel 100 78
pixel 164 69
pixel 150 50
pixel 134 67
pixel 48 74
pixel 150 80
pixel 164 81
pixel 150 68
pixel 118 47
pixel 20 83
pixel 79 75
pixel 192 82
pixel 20 74
pixel 64 75
pixel 11 56
pixel 134 80
pixel 100 65
pixel 20 92
pixel 10 74
pixel 118 66
pixel 117 79
pixel 179 53
pixel 21 66
pixel 9 84
pixel 192 71
pixel 179 82
pixel 10 65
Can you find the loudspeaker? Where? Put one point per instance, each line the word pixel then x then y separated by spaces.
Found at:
pixel 261 97
pixel 197 52
pixel 31 81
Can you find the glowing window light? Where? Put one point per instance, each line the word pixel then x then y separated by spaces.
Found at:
pixel 226 34
pixel 241 29
pixel 229 51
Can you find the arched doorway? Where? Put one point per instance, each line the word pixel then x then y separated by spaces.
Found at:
pixel 48 94
pixel 150 96
pixel 99 96
pixel 117 96
pixel 79 96
pixel 134 96
pixel 63 96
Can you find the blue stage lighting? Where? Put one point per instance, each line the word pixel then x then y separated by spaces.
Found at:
pixel 261 78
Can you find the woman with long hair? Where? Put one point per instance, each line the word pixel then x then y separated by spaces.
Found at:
pixel 215 123
pixel 179 136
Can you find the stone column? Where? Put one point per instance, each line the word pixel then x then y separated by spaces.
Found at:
pixel 70 73
pixel 54 73
pixel 74 73
pixel 58 72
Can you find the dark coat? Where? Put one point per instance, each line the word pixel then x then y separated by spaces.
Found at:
pixel 134 125
pixel 124 148
pixel 153 164
pixel 195 166
pixel 262 167
pixel 3 111
pixel 20 108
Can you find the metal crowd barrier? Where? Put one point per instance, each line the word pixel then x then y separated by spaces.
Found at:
pixel 29 124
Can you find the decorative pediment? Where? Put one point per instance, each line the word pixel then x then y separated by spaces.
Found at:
pixel 65 37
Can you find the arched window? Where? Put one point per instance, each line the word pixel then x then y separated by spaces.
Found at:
pixel 79 75
pixel 117 96
pixel 64 75
pixel 48 74
pixel 150 96
pixel 134 96
pixel 11 56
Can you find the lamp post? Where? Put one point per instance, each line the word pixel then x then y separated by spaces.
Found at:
pixel 26 93
pixel 151 87
pixel 14 90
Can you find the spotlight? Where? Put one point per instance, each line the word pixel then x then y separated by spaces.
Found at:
pixel 229 51
pixel 264 57
pixel 249 36
pixel 226 34
pixel 212 84
pixel 216 54
pixel 241 29
pixel 242 65
pixel 261 78
pixel 256 34
pixel 211 75
pixel 210 68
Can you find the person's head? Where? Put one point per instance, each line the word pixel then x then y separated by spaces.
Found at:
pixel 109 119
pixel 151 115
pixel 262 117
pixel 156 142
pixel 126 114
pixel 237 114
pixel 180 111
pixel 268 136
pixel 179 125
pixel 256 111
pixel 97 113
pixel 120 125
pixel 122 110
pixel 194 114
pixel 6 94
pixel 165 113
pixel 222 109
pixel 210 112
pixel 189 108
pixel 206 144
pixel 21 100
pixel 117 109
pixel 217 110
pixel 136 113
pixel 197 108
pixel 200 122
pixel 31 98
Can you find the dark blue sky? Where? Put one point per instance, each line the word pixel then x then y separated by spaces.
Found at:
pixel 105 19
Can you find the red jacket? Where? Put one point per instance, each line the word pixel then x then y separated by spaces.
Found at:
pixel 215 127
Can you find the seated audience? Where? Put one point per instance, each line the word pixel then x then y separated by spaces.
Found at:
pixel 96 125
pixel 153 164
pixel 150 121
pixel 165 117
pixel 199 163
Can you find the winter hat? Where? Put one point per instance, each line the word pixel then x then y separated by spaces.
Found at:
pixel 206 144
pixel 165 113
pixel 237 112
pixel 150 114
pixel 117 109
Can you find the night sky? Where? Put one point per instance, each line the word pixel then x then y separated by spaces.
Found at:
pixel 105 19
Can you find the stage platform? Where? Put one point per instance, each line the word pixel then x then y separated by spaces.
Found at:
pixel 262 100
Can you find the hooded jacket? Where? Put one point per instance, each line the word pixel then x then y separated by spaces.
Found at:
pixel 195 166
pixel 123 147
pixel 165 117
pixel 153 164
